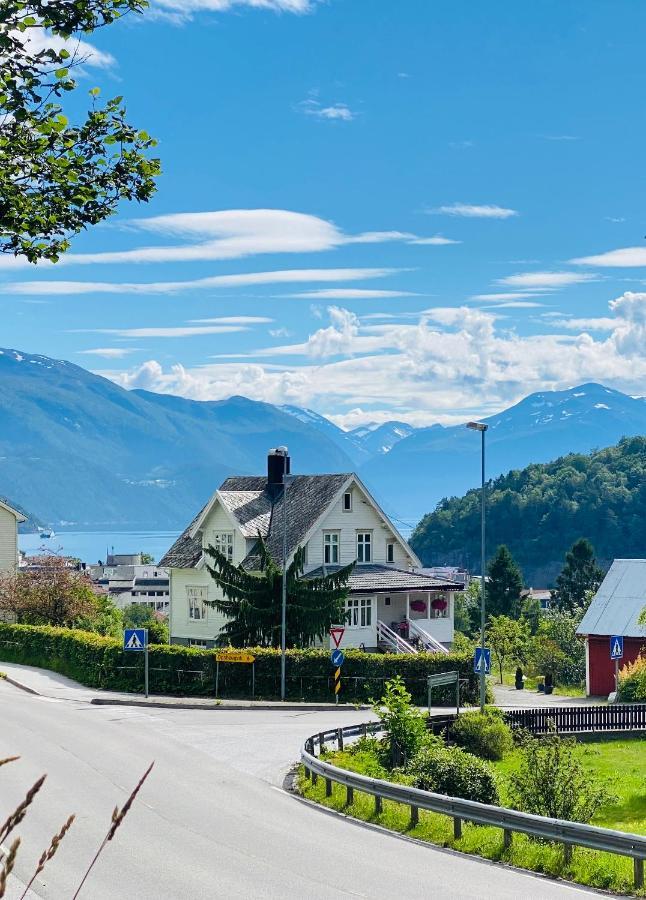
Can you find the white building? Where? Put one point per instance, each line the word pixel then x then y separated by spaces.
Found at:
pixel 337 521
pixel 9 520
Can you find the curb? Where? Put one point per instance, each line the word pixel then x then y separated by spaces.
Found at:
pixel 235 707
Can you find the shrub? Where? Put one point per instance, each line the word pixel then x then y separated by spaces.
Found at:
pixel 483 734
pixel 453 772
pixel 100 662
pixel 403 723
pixel 632 681
pixel 552 782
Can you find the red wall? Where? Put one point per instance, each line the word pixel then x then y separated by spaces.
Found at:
pixel 602 668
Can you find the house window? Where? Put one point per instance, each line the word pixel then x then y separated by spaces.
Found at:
pixel 196 597
pixel 360 612
pixel 347 501
pixel 223 541
pixel 364 546
pixel 194 642
pixel 331 548
pixel 390 552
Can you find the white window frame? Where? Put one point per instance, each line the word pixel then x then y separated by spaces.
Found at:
pixel 390 551
pixel 348 508
pixel 196 594
pixel 364 543
pixel 331 542
pixel 224 542
pixel 359 609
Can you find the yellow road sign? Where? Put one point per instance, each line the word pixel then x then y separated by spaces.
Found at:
pixel 235 656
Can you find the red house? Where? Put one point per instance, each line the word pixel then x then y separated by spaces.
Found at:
pixel 614 610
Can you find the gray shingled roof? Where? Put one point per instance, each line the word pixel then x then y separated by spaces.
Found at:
pixel 250 502
pixel 368 579
pixel 617 604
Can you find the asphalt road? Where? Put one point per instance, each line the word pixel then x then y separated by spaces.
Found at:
pixel 212 820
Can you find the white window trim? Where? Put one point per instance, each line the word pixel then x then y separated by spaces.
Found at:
pixel 364 533
pixel 331 545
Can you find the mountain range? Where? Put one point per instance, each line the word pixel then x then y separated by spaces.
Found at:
pixel 78 451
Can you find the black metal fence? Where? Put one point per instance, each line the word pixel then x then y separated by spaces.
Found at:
pixel 578 719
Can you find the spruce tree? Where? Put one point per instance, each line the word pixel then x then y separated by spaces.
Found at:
pixel 504 585
pixel 252 602
pixel 579 579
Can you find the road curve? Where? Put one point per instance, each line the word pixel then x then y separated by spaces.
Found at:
pixel 212 820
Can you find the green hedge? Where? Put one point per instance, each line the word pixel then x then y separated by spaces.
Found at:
pixel 100 662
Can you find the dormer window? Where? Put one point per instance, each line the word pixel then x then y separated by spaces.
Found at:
pixel 347 501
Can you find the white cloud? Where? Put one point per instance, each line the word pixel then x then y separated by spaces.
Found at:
pixel 288 276
pixel 109 352
pixel 473 211
pixel 545 279
pixel 182 331
pixel 337 111
pixel 350 294
pixel 448 365
pixel 626 257
pixel 230 234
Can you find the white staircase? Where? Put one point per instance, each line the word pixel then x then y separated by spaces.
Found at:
pixel 392 642
pixel 428 642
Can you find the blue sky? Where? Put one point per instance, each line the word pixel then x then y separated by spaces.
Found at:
pixel 422 210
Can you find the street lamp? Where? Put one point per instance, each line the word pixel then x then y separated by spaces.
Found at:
pixel 481 427
pixel 287 480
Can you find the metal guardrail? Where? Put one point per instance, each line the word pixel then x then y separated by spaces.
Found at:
pixel 570 834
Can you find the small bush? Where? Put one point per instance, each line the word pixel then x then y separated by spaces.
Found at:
pixel 552 782
pixel 632 681
pixel 483 734
pixel 454 773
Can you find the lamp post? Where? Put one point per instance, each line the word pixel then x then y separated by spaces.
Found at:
pixel 287 480
pixel 482 428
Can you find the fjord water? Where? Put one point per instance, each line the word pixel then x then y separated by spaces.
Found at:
pixel 92 546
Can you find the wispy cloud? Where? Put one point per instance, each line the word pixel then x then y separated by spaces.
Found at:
pixel 626 257
pixel 545 279
pixel 340 112
pixel 109 352
pixel 232 234
pixel 474 211
pixel 350 294
pixel 288 276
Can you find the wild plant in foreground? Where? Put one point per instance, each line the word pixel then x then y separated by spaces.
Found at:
pixel 117 818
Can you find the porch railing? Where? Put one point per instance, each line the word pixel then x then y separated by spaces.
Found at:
pixel 393 641
pixel 428 642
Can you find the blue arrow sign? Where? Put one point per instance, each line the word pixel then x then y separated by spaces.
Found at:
pixel 135 638
pixel 617 646
pixel 482 660
pixel 337 657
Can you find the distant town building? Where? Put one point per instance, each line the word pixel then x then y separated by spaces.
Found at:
pixel 9 520
pixel 391 604
pixel 143 583
pixel 614 611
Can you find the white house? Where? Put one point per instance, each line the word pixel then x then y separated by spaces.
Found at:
pixel 391 606
pixel 9 519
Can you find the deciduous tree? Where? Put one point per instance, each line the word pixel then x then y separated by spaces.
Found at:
pixel 56 177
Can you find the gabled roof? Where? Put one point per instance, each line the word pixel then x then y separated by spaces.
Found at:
pixel 617 604
pixel 14 512
pixel 368 579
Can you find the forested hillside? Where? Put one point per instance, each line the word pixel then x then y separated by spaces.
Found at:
pixel 539 511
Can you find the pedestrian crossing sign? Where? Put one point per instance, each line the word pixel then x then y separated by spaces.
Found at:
pixel 135 638
pixel 616 646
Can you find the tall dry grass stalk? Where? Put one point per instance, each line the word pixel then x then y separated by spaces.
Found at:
pixel 46 855
pixel 117 818
pixel 18 814
pixel 7 865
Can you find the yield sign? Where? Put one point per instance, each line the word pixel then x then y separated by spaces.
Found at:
pixel 336 633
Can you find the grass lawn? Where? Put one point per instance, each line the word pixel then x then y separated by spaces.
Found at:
pixel 622 762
